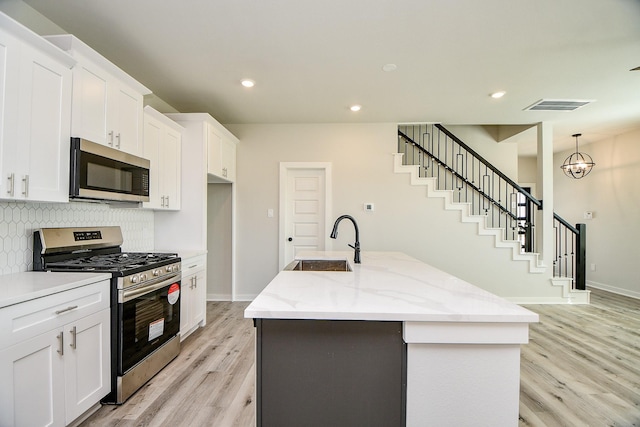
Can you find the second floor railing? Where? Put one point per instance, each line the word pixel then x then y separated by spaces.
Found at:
pixel 505 204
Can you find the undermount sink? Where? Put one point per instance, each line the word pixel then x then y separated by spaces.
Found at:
pixel 319 265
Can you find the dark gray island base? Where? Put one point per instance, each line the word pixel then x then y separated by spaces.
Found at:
pixel 330 373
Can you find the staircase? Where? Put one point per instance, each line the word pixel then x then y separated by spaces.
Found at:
pixel 467 183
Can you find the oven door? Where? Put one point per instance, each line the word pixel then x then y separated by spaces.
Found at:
pixel 148 316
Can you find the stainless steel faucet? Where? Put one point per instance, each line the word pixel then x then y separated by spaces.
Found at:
pixel 356 245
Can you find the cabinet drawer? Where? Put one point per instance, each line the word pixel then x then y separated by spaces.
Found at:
pixel 193 264
pixel 31 318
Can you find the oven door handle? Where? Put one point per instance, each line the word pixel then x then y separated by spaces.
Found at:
pixel 131 293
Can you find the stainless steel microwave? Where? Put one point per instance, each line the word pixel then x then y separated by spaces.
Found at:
pixel 99 172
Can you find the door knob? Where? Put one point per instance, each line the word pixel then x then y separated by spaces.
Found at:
pixel 290 239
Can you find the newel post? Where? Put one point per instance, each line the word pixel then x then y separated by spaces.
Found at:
pixel 581 257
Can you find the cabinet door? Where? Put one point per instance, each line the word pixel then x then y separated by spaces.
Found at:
pixel 228 155
pixel 87 363
pixel 127 115
pixel 186 295
pixel 32 378
pixel 90 105
pixel 44 127
pixel 199 307
pixel 152 140
pixel 193 305
pixel 214 146
pixel 171 157
pixel 9 96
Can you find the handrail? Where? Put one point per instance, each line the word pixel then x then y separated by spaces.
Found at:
pixel 456 174
pixel 471 151
pixel 570 258
pixel 565 223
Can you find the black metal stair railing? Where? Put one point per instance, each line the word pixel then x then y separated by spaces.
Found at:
pixel 505 204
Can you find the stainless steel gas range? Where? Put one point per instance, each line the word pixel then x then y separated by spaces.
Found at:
pixel 145 298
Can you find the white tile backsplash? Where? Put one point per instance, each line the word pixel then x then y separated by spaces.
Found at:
pixel 18 221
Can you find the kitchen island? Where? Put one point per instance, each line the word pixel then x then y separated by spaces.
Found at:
pixel 393 342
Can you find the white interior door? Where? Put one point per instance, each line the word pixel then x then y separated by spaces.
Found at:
pixel 304 208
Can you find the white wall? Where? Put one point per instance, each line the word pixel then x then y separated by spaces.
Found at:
pixel 503 155
pixel 612 193
pixel 219 242
pixel 362 163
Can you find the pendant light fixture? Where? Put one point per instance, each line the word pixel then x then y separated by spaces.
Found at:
pixel 577 165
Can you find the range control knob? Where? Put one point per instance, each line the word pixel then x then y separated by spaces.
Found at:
pixel 156 273
pixel 134 279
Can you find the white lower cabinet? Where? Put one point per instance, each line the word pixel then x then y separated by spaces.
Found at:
pixel 193 304
pixel 52 378
pixel 86 363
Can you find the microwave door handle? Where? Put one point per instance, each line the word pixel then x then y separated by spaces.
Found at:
pixel 131 293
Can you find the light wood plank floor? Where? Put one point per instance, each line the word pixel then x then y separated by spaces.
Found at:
pixel 582 364
pixel 581 368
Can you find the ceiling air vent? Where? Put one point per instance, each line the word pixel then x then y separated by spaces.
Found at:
pixel 558 104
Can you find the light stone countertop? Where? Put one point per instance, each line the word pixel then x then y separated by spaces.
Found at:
pixel 386 286
pixel 20 287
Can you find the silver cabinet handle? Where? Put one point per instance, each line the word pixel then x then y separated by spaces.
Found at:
pixel 71 307
pixel 25 186
pixel 11 178
pixel 162 201
pixel 167 202
pixel 73 338
pixel 118 139
pixel 61 342
pixel 110 138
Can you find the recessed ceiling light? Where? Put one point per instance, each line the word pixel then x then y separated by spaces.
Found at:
pixel 355 108
pixel 389 67
pixel 248 83
pixel 497 95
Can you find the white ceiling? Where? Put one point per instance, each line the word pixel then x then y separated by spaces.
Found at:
pixel 311 60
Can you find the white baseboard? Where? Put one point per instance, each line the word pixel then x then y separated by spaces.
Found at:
pixel 245 297
pixel 227 297
pixel 614 289
pixel 218 297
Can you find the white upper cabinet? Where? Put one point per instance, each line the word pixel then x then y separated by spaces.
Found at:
pixel 221 153
pixel 107 102
pixel 35 113
pixel 162 146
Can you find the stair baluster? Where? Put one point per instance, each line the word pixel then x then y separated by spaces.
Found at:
pixel 504 203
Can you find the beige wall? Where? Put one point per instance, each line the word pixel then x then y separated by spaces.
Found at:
pixel 29 17
pixel 362 164
pixel 502 155
pixel 527 169
pixel 612 193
